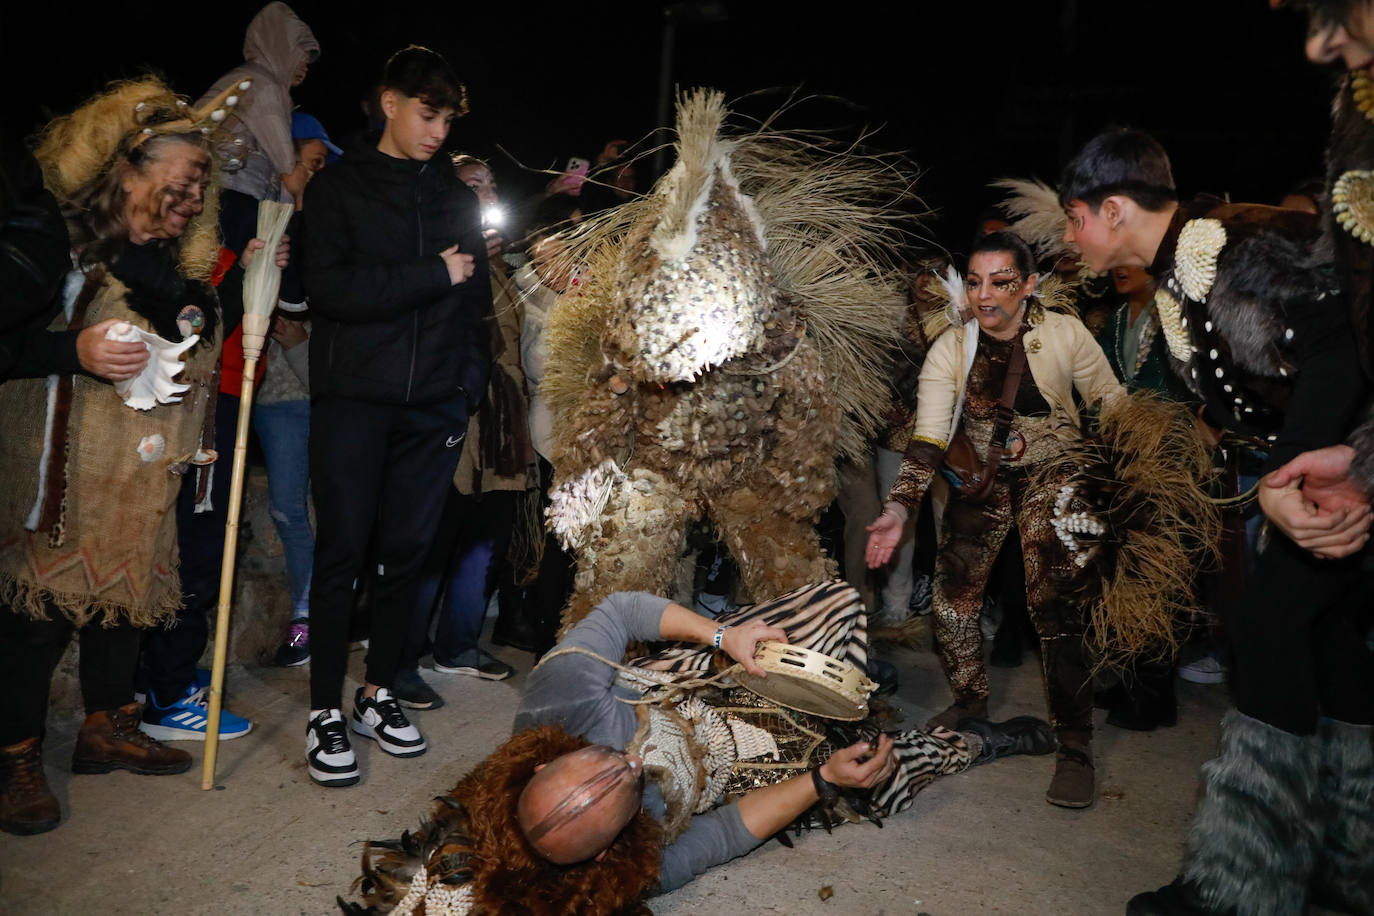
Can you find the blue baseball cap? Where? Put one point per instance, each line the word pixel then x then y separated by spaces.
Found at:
pixel 308 127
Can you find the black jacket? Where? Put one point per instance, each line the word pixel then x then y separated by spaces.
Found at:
pixel 34 257
pixel 388 325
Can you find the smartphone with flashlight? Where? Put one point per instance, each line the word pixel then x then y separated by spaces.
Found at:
pixel 575 174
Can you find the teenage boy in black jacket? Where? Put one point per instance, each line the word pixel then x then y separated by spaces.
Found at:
pixel 396 270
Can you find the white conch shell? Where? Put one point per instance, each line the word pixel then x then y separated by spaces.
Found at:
pixel 1195 257
pixel 154 384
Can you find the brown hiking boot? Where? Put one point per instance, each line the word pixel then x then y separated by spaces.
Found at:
pixel 1072 785
pixel 963 707
pixel 27 805
pixel 111 740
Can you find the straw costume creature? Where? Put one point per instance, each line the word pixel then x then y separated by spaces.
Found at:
pixel 732 342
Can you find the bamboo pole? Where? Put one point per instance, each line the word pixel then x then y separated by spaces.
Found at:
pixel 262 279
pixel 226 574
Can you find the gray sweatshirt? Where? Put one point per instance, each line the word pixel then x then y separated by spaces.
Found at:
pixel 580 694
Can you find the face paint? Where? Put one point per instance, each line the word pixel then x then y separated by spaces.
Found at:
pixel 996 291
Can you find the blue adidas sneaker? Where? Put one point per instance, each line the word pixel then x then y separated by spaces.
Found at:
pixel 186 719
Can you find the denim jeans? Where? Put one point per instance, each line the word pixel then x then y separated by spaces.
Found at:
pixel 455 584
pixel 283 428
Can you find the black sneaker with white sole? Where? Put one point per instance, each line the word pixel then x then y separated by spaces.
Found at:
pixel 380 718
pixel 328 755
pixel 475 663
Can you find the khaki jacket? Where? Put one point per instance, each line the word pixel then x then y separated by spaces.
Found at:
pixel 1060 353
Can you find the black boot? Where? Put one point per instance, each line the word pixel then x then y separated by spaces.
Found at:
pixel 885 674
pixel 1256 830
pixel 513 626
pixel 1020 735
pixel 1178 898
pixel 1146 699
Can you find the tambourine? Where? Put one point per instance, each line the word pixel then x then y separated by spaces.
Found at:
pixel 809 681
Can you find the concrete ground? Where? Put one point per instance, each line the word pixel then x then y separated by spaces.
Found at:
pixel 267 840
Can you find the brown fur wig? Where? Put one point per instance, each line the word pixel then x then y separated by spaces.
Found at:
pixel 472 837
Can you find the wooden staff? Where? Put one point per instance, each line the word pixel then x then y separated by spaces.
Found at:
pixel 261 282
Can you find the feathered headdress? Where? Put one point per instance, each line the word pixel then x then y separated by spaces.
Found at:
pixel 956 311
pixel 1051 294
pixel 1036 216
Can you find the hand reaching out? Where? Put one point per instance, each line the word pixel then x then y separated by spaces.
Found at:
pixel 289 333
pixel 885 534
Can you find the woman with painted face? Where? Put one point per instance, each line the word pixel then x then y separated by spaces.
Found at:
pixel 91 468
pixel 995 400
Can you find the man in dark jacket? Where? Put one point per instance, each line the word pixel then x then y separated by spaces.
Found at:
pixel 396 271
pixel 1259 329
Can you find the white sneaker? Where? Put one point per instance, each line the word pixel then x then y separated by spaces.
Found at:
pixel 381 719
pixel 328 755
pixel 1206 670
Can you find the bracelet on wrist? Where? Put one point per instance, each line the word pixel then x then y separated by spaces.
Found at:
pixel 720 635
pixel 825 789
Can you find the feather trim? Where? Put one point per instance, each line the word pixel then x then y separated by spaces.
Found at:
pixel 1132 512
pixel 1036 215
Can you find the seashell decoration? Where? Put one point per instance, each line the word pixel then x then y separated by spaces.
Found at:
pixel 1074 527
pixel 1175 335
pixel 1362 90
pixel 1195 256
pixel 1352 201
pixel 150 448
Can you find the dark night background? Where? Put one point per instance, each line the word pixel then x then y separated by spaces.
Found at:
pixel 971 91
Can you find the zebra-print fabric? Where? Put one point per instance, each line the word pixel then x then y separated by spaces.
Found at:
pixel 922 757
pixel 828 617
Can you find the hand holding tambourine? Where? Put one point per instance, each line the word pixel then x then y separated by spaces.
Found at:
pixel 742 643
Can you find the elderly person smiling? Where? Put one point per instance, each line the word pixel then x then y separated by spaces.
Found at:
pixel 91 470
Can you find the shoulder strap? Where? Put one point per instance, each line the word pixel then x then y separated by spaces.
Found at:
pixel 1016 368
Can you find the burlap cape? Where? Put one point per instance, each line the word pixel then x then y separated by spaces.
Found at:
pixel 88 510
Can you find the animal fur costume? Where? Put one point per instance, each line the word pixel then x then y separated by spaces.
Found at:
pixel 86 516
pixel 1261 323
pixel 732 342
